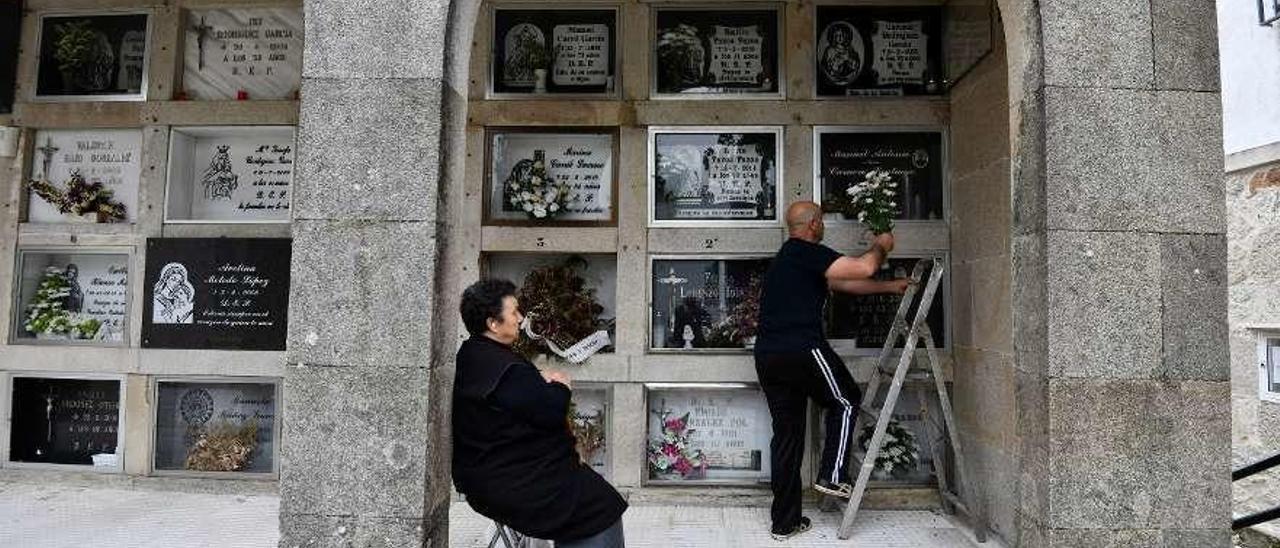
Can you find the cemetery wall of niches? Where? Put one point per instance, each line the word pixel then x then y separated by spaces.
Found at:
pixel 149 152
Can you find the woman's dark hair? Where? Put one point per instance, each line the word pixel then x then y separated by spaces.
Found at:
pixel 483 300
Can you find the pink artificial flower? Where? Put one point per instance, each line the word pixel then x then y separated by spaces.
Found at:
pixel 675 424
pixel 682 465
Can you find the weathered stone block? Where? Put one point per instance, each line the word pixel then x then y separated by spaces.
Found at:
pixel 1104 304
pixel 375 38
pixel 368 149
pixel 992 308
pixel 365 295
pixel 1029 297
pixel 1185 156
pixel 314 531
pixel 1139 454
pixel 356 441
pixel 1088 43
pixel 1193 282
pixel 980 214
pixel 1186 44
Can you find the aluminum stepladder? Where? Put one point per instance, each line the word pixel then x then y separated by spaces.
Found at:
pixel 915 333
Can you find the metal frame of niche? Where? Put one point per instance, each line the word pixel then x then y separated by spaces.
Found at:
pixel 153 392
pixel 648 339
pixel 16 295
pixel 945 137
pixel 1264 18
pixel 649 389
pixel 491 132
pixel 492 15
pixel 779 133
pixel 237 131
pixel 1264 337
pixel 846 347
pixel 651 42
pixel 6 402
pixel 605 388
pixel 146 56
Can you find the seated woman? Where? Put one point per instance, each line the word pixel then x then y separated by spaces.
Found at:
pixel 513 453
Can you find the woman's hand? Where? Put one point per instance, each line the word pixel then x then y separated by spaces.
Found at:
pixel 561 377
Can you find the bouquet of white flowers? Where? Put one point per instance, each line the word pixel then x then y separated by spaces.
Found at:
pixel 534 192
pixel 898 454
pixel 873 202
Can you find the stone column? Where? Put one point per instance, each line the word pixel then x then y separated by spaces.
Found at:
pixel 364 462
pixel 1119 279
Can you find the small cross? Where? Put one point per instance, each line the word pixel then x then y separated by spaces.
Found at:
pixel 47 150
pixel 202 30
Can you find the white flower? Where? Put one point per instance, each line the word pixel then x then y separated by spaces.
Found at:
pixel 526 195
pixel 893 204
pixel 515 186
pixel 889 193
pixel 554 207
pixel 539 212
pixel 535 180
pixel 869 200
pixel 528 207
pixel 550 196
pixel 862 216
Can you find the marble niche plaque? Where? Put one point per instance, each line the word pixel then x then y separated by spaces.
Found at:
pixel 725 430
pixel 241 174
pixel 85 297
pixel 714 176
pixel 112 157
pixel 582 160
pixel 257 51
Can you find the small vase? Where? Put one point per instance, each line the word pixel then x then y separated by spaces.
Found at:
pixel 540 80
pixel 749 342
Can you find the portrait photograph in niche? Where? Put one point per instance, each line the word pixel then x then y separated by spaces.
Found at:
pixel 65 421
pixel 246 53
pixel 68 298
pixel 569 303
pixel 879 51
pixel 710 52
pixel 216 293
pixel 84 176
pixel 99 57
pixel 216 426
pixel 714 176
pixel 705 304
pixel 914 161
pixel 713 435
pixel 866 319
pixel 241 174
pixel 554 51
pixel 551 176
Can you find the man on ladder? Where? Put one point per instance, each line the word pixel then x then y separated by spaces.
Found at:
pixel 794 362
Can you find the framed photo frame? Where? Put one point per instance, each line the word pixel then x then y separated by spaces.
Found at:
pixel 575 47
pixel 64 158
pixel 915 157
pixel 878 51
pixel 717 52
pixel 581 160
pixel 704 303
pixel 202 425
pixel 230 174
pixel 65 421
pixel 93 56
pixel 721 434
pixel 715 176
pixel 71 296
pixel 859 324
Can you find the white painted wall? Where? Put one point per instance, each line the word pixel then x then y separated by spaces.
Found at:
pixel 1250 56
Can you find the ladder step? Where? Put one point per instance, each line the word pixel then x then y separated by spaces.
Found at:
pixel 957 502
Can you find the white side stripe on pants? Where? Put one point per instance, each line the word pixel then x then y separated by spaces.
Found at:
pixel 844 416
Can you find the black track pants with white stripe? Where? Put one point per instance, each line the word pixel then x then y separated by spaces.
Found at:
pixel 789 381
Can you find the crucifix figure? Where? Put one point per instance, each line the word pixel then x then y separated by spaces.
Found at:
pixel 202 31
pixel 47 150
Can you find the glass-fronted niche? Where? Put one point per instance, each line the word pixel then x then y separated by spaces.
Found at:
pixel 68 421
pixel 704 303
pixel 861 323
pixel 216 426
pixel 590 422
pixel 66 297
pixel 711 433
pixel 570 301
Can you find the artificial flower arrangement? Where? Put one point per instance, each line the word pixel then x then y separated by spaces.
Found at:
pixel 560 307
pixel 533 191
pixel 588 432
pixel 739 327
pixel 81 198
pixel 47 316
pixel 670 455
pixel 898 454
pixel 223 447
pixel 873 201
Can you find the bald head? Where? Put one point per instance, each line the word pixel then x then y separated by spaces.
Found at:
pixel 804 221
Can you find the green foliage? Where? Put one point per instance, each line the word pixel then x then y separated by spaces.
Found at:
pixel 74 44
pixel 80 198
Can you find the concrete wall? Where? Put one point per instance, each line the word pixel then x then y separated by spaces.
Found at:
pixel 1250 55
pixel 985 399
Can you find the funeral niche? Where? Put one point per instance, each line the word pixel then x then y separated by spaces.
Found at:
pixel 72 297
pixel 569 302
pixel 65 421
pixel 92 57
pixel 867 319
pixel 911 159
pixel 242 54
pixel 554 51
pixel 216 293
pixel 84 176
pixel 551 177
pixel 716 51
pixel 721 176
pixel 911 442
pixel 705 304
pixel 230 174
pixel 588 421
pixel 216 427
pixel 708 435
pixel 879 51
pixel 10 32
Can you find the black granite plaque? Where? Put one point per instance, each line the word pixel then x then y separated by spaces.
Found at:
pixel 868 318
pixel 705 51
pixel 879 51
pixel 913 159
pixel 215 427
pixel 64 421
pixel 575 50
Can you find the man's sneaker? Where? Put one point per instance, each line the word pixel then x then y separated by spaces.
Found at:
pixel 842 490
pixel 801 527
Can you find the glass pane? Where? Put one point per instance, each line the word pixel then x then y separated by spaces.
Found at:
pixel 590 423
pixel 705 303
pixel 1273 365
pixel 65 421
pixel 699 434
pixel 215 427
pixel 78 296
